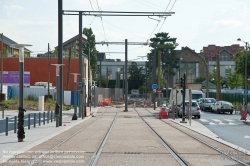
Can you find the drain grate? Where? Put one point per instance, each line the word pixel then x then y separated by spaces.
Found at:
pixel 132 153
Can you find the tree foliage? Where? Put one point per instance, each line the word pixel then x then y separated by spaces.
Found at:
pixel 240 59
pixel 136 78
pixel 166 45
pixel 235 80
pixel 90 44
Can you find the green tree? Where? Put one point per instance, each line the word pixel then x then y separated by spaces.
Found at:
pixel 136 78
pixel 200 79
pixel 239 59
pixel 90 44
pixel 235 80
pixel 166 45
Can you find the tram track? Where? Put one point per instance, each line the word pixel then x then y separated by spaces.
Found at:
pixel 226 150
pixel 171 151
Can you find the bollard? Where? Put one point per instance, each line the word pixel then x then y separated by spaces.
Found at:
pixel 43 118
pixel 51 116
pixel 39 118
pixel 15 118
pixel 7 126
pixel 34 120
pixel 47 116
pixel 3 111
pixel 28 121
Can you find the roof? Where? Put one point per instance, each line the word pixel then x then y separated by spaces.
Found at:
pixel 73 39
pixel 210 85
pixel 9 42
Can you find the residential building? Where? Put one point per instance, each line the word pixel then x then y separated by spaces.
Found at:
pixel 226 54
pixel 8 49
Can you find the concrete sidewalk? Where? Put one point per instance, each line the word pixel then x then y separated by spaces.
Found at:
pixel 34 136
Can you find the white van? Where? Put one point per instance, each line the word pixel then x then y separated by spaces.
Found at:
pixel 176 98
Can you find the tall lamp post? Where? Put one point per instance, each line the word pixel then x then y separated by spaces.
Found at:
pixel 21 133
pixel 57 112
pixel 89 86
pixel 180 72
pixel 245 82
pixel 75 85
pixel 84 81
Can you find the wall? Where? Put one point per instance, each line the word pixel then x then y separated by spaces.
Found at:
pixel 38 68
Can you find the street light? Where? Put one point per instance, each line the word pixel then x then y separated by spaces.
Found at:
pixel 89 86
pixel 20 133
pixel 57 114
pixel 245 82
pixel 180 71
pixel 75 85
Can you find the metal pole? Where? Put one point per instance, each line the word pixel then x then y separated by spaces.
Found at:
pixel 89 86
pixel 21 84
pixel 39 118
pixel 15 119
pixel 246 78
pixel 80 62
pixel 126 77
pixel 100 73
pixel 7 126
pixel 48 116
pixel 94 95
pixel 153 73
pixel 75 107
pixel 2 67
pixel 123 72
pixel 58 93
pixel 28 121
pixel 3 111
pixel 84 98
pixel 43 118
pixel 107 77
pixel 34 120
pixel 60 59
pixel 207 79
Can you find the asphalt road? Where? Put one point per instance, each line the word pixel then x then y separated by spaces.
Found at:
pixel 228 127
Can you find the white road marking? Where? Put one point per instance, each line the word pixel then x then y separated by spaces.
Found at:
pixel 246 136
pixel 203 120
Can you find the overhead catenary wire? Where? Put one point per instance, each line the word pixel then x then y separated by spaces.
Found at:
pixel 166 17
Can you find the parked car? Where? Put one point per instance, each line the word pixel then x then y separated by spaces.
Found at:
pixel 206 103
pixel 199 101
pixel 222 107
pixel 196 111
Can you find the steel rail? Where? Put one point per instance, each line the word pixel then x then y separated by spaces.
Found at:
pixel 209 145
pixel 32 162
pixel 172 152
pixel 99 150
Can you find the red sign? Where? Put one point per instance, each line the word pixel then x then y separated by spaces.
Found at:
pixel 158 90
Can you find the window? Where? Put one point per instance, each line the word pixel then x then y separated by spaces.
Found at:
pixel 227 69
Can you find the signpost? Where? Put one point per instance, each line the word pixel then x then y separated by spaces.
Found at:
pixel 159 90
pixel 154 86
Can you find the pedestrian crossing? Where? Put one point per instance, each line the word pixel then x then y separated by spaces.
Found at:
pixel 220 121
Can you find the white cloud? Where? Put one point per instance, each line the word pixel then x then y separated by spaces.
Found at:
pixel 12 8
pixel 223 10
pixel 228 23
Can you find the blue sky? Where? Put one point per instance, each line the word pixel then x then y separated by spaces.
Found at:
pixel 196 23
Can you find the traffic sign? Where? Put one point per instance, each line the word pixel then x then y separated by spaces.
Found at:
pixel 154 86
pixel 159 91
pixel 245 92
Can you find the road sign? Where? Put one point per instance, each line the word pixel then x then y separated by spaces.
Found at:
pixel 245 92
pixel 159 91
pixel 154 86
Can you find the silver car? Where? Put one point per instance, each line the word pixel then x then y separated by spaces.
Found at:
pixel 206 103
pixel 222 107
pixel 196 111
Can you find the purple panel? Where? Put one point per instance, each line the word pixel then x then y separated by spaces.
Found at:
pixel 12 78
